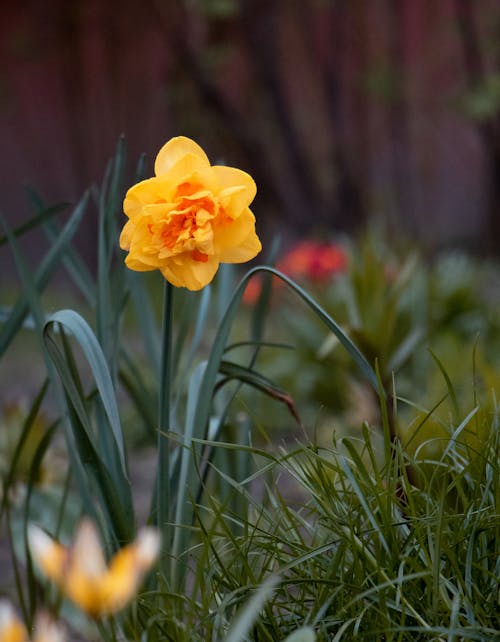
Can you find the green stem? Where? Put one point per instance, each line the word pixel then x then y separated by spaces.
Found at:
pixel 163 499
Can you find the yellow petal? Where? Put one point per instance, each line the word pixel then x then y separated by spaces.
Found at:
pixel 50 556
pixel 151 190
pixel 82 573
pixel 86 552
pixel 191 170
pixel 174 150
pixel 127 235
pixel 237 188
pixel 135 263
pixel 127 570
pixel 237 242
pixel 143 255
pixel 84 591
pixel 11 627
pixel 185 272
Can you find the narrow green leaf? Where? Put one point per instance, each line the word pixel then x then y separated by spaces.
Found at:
pixel 248 614
pixel 82 333
pixel 253 378
pixel 185 488
pixel 112 484
pixel 362 499
pixel 42 216
pixel 144 400
pixel 75 265
pixel 148 328
pixel 42 275
pixel 71 259
pixel 449 385
pixel 29 287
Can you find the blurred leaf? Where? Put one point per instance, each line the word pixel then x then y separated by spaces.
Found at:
pixel 35 221
pixel 147 326
pixel 74 264
pixel 219 8
pixel 185 484
pixel 248 614
pixel 483 102
pixel 42 275
pixel 109 307
pixel 23 437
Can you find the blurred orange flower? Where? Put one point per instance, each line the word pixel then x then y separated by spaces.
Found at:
pixel 311 261
pixel 81 572
pixel 190 217
pixel 314 261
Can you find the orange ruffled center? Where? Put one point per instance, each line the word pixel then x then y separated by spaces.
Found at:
pixel 186 224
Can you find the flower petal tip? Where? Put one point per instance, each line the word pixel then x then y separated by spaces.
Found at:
pixel 148 546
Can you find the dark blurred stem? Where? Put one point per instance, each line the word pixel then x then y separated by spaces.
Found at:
pixel 488 128
pixel 262 41
pixel 163 473
pixel 399 118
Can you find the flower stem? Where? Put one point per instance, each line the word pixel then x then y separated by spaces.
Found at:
pixel 163 498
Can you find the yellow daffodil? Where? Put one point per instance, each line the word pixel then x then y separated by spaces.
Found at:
pixel 13 630
pixel 11 627
pixel 82 574
pixel 190 217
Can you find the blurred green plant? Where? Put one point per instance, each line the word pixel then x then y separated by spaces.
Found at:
pixel 405 313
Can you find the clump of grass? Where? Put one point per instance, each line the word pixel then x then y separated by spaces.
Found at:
pixel 361 553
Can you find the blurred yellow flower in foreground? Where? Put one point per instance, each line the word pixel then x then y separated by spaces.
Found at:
pixel 190 217
pixel 13 630
pixel 80 571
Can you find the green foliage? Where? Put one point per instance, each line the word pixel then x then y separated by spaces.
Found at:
pixel 360 551
pixel 483 102
pixel 383 526
pixel 400 309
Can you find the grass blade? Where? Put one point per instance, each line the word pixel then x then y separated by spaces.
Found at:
pixel 248 614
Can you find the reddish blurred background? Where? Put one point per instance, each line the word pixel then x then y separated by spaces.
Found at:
pixel 342 110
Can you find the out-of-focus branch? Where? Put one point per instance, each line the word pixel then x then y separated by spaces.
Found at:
pixel 398 116
pixel 347 205
pixel 261 18
pixel 489 129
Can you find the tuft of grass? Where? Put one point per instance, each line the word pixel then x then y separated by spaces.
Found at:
pixel 361 553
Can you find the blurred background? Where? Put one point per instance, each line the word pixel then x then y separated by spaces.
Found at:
pixel 342 110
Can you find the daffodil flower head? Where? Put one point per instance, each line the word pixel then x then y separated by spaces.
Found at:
pixel 190 217
pixel 81 571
